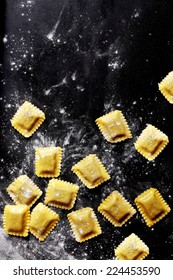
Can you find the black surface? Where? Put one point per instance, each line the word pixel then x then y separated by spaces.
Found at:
pixel 103 55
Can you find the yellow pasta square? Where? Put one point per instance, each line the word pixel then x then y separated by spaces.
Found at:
pixel 43 221
pixel 116 209
pixel 132 248
pixel 91 171
pixel 152 206
pixel 151 142
pixel 27 119
pixel 84 224
pixel 16 220
pixel 114 127
pixel 166 87
pixel 24 191
pixel 61 194
pixel 48 161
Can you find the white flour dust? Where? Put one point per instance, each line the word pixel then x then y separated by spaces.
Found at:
pixel 52 33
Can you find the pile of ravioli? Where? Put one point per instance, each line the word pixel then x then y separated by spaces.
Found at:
pixel 19 220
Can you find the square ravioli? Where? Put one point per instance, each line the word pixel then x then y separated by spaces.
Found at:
pixel 43 221
pixel 166 87
pixel 91 171
pixel 151 142
pixel 114 127
pixel 48 161
pixel 24 191
pixel 27 119
pixel 152 206
pixel 132 248
pixel 84 224
pixel 116 209
pixel 16 220
pixel 61 194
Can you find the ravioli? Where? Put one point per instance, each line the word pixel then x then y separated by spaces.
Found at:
pixel 61 194
pixel 43 221
pixel 114 127
pixel 152 206
pixel 84 224
pixel 116 209
pixel 91 171
pixel 16 220
pixel 48 161
pixel 27 119
pixel 166 87
pixel 151 142
pixel 132 248
pixel 24 191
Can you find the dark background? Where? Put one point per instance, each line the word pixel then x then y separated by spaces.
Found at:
pixel 77 60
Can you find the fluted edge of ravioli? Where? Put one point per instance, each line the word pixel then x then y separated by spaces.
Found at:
pixel 41 119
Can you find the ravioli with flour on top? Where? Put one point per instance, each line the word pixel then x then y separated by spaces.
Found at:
pixel 132 248
pixel 152 206
pixel 84 224
pixel 61 194
pixel 27 119
pixel 48 161
pixel 91 171
pixel 151 142
pixel 43 221
pixel 116 209
pixel 114 127
pixel 23 191
pixel 16 220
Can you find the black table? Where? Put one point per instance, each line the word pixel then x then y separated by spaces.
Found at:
pixel 77 60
